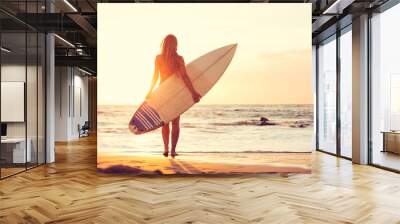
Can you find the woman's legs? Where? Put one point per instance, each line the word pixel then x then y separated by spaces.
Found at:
pixel 165 136
pixel 175 135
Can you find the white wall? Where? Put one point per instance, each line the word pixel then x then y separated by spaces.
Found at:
pixel 82 82
pixel 13 73
pixel 10 73
pixel 62 81
pixel 71 102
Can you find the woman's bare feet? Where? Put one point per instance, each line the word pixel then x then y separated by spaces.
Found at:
pixel 165 153
pixel 173 154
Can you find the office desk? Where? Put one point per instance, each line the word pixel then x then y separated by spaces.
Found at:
pixel 13 150
pixel 391 141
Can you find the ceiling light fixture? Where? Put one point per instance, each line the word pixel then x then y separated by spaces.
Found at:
pixel 64 40
pixel 5 50
pixel 337 7
pixel 70 5
pixel 84 71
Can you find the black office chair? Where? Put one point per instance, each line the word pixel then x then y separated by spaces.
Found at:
pixel 84 130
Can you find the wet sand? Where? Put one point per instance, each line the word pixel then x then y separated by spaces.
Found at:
pixel 206 163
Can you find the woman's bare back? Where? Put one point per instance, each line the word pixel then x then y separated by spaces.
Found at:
pixel 165 70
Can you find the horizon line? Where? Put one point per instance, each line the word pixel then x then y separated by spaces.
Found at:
pixel 217 104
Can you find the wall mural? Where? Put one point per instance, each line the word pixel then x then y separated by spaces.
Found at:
pixel 204 88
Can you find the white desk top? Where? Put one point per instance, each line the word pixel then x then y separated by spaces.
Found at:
pixel 13 140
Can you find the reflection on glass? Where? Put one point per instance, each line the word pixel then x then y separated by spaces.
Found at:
pixel 327 96
pixel 385 90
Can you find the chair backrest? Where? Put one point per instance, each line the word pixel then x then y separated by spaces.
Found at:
pixel 86 124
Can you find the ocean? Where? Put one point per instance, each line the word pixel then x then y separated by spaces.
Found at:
pixel 213 129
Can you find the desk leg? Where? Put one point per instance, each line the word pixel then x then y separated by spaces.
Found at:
pixel 384 142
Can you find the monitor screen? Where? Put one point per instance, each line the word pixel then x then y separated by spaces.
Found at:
pixel 3 129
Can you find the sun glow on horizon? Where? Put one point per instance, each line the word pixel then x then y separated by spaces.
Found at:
pixel 272 64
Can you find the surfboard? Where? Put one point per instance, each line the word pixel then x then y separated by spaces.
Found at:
pixel 172 98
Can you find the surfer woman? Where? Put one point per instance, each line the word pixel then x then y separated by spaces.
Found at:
pixel 167 64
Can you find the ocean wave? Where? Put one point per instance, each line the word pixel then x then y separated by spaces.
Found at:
pixel 245 123
pixel 298 124
pixel 111 129
pixel 254 122
pixel 189 125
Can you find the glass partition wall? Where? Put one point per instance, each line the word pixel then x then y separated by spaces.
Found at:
pixel 13 84
pixel 334 84
pixel 345 108
pixel 22 98
pixel 385 89
pixel 327 95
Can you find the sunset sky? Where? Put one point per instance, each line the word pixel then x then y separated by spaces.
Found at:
pixel 272 64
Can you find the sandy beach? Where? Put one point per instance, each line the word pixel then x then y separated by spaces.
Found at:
pixel 206 163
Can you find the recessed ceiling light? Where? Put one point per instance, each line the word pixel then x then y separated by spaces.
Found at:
pixel 65 41
pixel 84 71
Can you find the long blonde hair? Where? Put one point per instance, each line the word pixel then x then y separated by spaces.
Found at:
pixel 169 53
